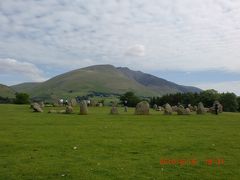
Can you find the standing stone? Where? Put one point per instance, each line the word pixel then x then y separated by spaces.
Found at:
pixel 69 109
pixel 220 107
pixel 155 107
pixel 83 108
pixel 181 110
pixel 194 108
pixel 114 110
pixel 168 109
pixel 93 103
pixel 142 108
pixel 174 108
pixel 73 102
pixel 187 111
pixel 190 107
pixel 41 104
pixel 200 108
pixel 159 108
pixel 36 107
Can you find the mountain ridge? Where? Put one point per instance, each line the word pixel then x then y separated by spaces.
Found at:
pixel 102 78
pixel 6 91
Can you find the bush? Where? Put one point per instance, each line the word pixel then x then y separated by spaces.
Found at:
pixel 131 99
pixel 238 100
pixel 6 100
pixel 22 98
pixel 229 102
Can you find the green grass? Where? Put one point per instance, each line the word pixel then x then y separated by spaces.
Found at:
pixel 40 145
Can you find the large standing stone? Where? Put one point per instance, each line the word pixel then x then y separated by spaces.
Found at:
pixel 36 107
pixel 168 109
pixel 142 108
pixel 200 108
pixel 114 110
pixel 69 109
pixel 83 108
pixel 219 107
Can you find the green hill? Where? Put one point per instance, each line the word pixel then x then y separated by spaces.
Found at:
pixel 6 91
pixel 99 78
pixel 25 87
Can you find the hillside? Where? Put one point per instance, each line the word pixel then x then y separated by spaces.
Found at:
pixel 25 87
pixel 6 91
pixel 155 83
pixel 101 78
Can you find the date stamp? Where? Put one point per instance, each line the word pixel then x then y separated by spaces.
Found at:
pixel 192 162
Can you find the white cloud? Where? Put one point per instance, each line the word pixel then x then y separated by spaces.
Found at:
pixel 228 86
pixel 12 66
pixel 136 50
pixel 182 35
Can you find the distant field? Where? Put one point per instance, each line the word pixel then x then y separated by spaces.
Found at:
pixel 41 145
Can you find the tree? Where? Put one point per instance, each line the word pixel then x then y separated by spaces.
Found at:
pixel 238 100
pixel 22 98
pixel 208 97
pixel 131 99
pixel 229 102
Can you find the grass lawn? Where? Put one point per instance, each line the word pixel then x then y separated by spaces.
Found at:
pixel 125 146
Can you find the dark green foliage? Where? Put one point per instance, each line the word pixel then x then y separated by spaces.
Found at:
pixel 175 99
pixel 238 100
pixel 22 98
pixel 229 102
pixel 6 100
pixel 208 97
pixel 131 99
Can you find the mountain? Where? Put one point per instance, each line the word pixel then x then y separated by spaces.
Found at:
pixel 6 91
pixel 25 87
pixel 155 83
pixel 104 79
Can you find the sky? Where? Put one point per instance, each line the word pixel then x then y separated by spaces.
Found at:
pixel 190 42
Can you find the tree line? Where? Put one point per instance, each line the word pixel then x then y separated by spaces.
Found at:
pixel 20 98
pixel 230 101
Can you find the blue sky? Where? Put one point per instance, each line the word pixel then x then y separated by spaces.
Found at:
pixel 185 41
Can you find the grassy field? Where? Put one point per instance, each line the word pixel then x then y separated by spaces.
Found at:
pixel 126 146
